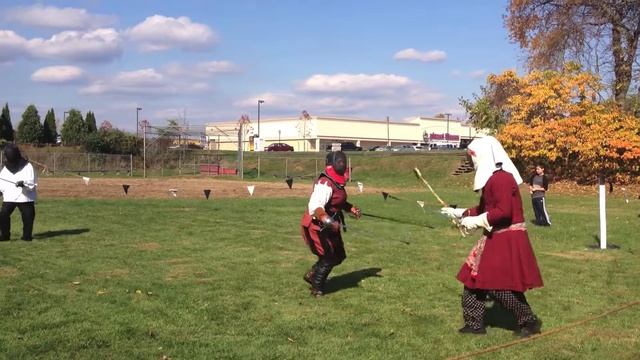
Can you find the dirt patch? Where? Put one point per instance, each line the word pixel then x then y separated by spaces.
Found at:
pixel 148 246
pixel 186 188
pixel 582 255
pixel 8 271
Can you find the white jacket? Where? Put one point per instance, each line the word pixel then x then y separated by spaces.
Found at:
pixel 13 193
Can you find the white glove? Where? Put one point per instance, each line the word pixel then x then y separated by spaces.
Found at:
pixel 453 213
pixel 474 222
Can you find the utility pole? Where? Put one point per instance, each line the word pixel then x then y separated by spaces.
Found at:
pixel 388 140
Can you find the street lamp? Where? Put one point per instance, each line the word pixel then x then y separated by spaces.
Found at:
pixel 137 122
pixel 259 102
pixel 448 114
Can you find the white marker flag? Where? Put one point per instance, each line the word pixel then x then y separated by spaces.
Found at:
pixel 250 188
pixel 173 192
pixel 85 180
pixel 420 203
pixel 360 186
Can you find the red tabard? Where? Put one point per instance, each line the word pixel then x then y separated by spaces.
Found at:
pixel 507 261
pixel 326 243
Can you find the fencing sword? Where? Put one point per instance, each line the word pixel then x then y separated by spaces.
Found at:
pixel 9 181
pixel 418 174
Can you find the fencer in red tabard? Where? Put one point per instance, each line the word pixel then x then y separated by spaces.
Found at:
pixel 502 264
pixel 323 221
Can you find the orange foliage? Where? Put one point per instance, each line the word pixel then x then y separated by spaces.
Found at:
pixel 554 117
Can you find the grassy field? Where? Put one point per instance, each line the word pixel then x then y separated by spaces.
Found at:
pixel 222 279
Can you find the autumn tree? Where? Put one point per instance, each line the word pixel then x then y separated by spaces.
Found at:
pixel 555 117
pixel 602 35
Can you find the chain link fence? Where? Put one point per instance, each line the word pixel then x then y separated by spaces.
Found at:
pixel 178 162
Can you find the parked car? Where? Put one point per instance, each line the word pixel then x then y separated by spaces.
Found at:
pixel 349 146
pixel 380 148
pixel 403 148
pixel 345 146
pixel 279 147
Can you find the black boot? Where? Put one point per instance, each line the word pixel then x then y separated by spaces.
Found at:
pixel 320 278
pixel 308 277
pixel 469 330
pixel 530 328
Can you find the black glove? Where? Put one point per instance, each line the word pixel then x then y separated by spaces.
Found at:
pixel 20 183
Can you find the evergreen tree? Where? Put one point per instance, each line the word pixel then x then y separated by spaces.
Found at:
pixel 30 128
pixel 49 132
pixel 6 128
pixel 90 119
pixel 74 129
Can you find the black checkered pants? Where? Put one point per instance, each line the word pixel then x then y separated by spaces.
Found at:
pixel 473 305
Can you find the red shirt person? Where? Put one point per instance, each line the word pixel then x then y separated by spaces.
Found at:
pixel 502 264
pixel 323 219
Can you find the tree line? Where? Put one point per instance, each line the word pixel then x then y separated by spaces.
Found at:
pixel 76 131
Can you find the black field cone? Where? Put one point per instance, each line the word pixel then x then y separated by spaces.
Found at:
pixel 385 195
pixel 125 187
pixel 206 193
pixel 289 182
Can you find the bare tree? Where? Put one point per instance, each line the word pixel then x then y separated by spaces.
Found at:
pixel 602 35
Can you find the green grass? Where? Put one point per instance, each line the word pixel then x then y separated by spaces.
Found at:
pixel 195 279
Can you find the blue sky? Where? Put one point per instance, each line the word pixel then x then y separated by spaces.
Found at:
pixel 210 61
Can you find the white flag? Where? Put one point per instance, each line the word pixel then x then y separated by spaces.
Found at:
pixel 420 203
pixel 85 180
pixel 173 192
pixel 360 186
pixel 250 188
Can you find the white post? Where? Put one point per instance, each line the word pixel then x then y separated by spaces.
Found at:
pixel 144 151
pixel 603 215
pixel 130 164
pixel 258 166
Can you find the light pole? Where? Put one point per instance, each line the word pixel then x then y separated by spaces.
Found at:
pixel 448 114
pixel 259 102
pixel 137 122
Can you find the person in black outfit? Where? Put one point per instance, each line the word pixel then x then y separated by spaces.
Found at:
pixel 538 187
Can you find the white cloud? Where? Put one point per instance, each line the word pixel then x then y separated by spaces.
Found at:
pixel 274 99
pixel 12 45
pixel 143 82
pixel 58 74
pixel 159 32
pixel 59 18
pixel 100 45
pixel 352 82
pixel 355 94
pixel 425 56
pixel 202 69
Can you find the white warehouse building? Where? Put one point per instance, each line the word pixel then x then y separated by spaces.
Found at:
pixel 316 133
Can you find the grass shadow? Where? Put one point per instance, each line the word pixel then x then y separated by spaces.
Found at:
pixel 50 234
pixel 350 280
pixel 499 317
pixel 597 244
